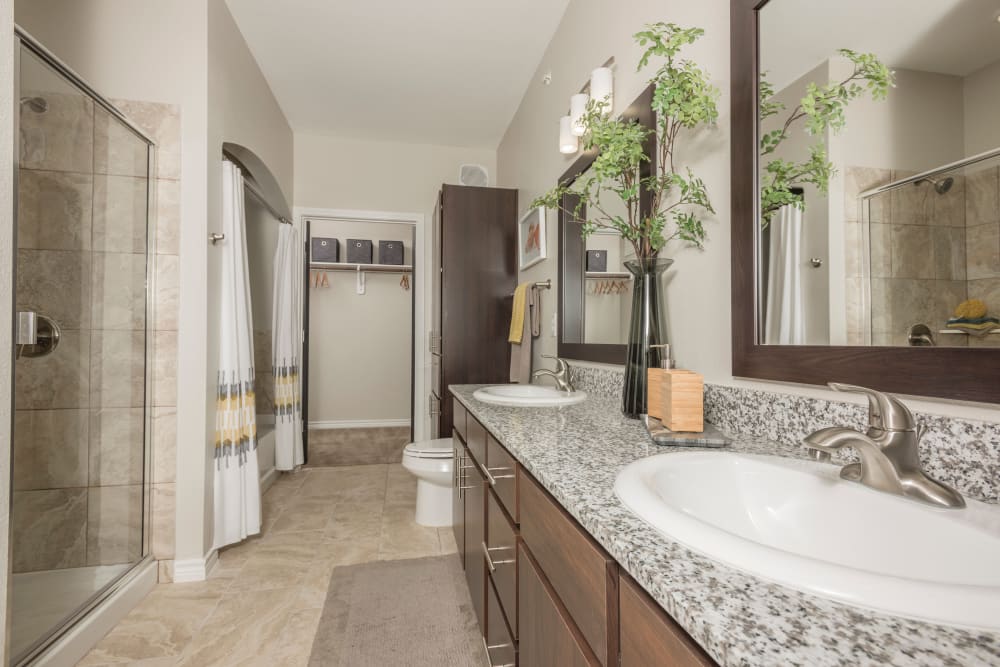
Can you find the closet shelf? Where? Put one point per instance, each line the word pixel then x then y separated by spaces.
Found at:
pixel 606 275
pixel 370 268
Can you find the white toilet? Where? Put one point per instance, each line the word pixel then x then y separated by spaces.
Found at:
pixel 432 461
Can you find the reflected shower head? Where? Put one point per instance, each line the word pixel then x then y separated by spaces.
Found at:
pixel 941 186
pixel 36 104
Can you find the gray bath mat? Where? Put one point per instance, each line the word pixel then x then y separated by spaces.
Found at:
pixel 404 612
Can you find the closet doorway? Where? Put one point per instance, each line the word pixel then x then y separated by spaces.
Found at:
pixel 365 353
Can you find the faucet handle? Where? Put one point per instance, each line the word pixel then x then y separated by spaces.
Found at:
pixel 561 364
pixel 885 411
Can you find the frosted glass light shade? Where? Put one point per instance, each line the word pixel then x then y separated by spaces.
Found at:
pixel 568 142
pixel 577 109
pixel 602 82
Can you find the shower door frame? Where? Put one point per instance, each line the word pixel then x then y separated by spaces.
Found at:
pixel 23 39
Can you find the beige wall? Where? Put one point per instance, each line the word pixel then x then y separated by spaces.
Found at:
pixel 982 99
pixel 341 173
pixel 698 298
pixel 360 344
pixel 6 306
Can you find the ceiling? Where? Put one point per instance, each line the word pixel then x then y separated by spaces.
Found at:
pixel 954 37
pixel 449 72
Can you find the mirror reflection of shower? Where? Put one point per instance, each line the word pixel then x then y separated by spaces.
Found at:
pixel 941 186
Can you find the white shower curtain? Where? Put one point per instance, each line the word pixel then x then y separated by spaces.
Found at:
pixel 237 485
pixel 286 336
pixel 784 321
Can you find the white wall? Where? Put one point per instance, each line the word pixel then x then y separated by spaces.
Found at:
pixel 360 344
pixel 982 99
pixel 698 296
pixel 241 110
pixel 6 305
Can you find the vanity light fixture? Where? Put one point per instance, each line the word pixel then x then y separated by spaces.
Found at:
pixel 569 143
pixel 577 109
pixel 602 86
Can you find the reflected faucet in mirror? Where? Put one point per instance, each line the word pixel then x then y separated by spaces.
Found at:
pixel 889 451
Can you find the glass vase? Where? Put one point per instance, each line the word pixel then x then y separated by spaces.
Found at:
pixel 647 328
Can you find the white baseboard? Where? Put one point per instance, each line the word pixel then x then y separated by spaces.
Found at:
pixel 359 423
pixel 195 569
pixel 267 479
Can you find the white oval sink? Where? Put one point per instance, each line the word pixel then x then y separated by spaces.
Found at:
pixel 528 395
pixel 797 523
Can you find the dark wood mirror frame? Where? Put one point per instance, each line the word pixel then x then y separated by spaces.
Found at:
pixel 955 373
pixel 572 248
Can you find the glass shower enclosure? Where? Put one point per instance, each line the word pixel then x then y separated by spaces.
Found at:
pixel 80 469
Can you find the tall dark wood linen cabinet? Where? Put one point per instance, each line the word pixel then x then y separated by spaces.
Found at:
pixel 474 273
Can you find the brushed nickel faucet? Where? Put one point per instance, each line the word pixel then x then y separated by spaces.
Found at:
pixel 560 375
pixel 889 451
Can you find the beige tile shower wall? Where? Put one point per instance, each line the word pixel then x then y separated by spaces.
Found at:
pixel 163 123
pixel 983 245
pixel 917 242
pixel 79 422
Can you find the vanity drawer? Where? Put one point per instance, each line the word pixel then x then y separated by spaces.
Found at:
pixel 501 558
pixel 500 650
pixel 475 438
pixel 458 419
pixel 651 637
pixel 583 575
pixel 504 469
pixel 549 638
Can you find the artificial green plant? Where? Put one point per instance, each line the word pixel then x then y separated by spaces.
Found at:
pixel 683 100
pixel 821 108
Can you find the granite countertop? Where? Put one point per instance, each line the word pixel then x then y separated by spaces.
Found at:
pixel 576 453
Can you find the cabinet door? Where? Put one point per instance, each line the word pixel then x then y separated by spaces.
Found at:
pixel 500 650
pixel 650 637
pixel 548 636
pixel 458 495
pixel 501 543
pixel 475 536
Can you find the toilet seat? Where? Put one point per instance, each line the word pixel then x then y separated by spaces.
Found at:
pixel 430 449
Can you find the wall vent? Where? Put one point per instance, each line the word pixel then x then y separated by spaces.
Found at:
pixel 474 174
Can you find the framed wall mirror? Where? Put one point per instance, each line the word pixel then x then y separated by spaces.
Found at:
pixel 866 194
pixel 595 293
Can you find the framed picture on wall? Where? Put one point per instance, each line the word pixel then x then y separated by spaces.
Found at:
pixel 531 238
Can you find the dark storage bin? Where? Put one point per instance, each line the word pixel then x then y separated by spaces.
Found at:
pixel 325 250
pixel 390 252
pixel 597 260
pixel 359 251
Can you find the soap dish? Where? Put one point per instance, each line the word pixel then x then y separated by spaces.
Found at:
pixel 661 435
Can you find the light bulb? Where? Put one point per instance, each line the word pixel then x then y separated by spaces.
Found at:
pixel 568 142
pixel 577 110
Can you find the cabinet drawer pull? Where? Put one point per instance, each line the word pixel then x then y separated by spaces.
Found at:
pixel 489 647
pixel 492 564
pixel 490 477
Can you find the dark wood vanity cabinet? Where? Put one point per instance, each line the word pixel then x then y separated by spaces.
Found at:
pixel 546 594
pixel 650 637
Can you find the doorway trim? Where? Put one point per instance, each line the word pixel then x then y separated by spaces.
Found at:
pixel 421 294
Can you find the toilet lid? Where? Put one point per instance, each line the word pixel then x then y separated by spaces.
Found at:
pixel 431 449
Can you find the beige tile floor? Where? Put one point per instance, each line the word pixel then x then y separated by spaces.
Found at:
pixel 262 602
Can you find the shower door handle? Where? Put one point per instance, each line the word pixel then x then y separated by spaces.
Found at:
pixel 27 328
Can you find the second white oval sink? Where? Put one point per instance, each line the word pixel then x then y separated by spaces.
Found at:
pixel 528 395
pixel 798 524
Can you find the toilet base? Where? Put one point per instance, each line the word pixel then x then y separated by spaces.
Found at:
pixel 433 504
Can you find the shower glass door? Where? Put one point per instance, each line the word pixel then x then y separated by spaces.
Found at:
pixel 80 466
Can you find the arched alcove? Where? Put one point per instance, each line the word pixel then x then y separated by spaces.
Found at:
pixel 256 171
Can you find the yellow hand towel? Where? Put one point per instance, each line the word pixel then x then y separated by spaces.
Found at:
pixel 517 315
